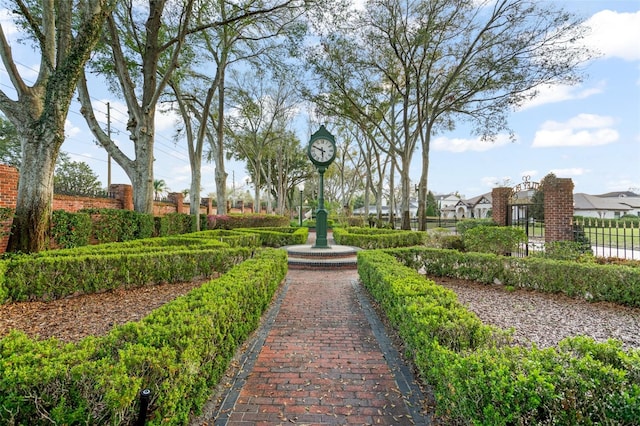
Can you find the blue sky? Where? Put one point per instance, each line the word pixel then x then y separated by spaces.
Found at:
pixel 589 132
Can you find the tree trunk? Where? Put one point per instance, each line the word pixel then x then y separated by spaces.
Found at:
pixel 32 221
pixel 405 181
pixel 140 171
pixel 221 175
pixel 194 209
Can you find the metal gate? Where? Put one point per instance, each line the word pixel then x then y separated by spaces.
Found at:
pixel 526 211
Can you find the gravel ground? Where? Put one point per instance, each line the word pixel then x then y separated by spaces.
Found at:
pixel 547 318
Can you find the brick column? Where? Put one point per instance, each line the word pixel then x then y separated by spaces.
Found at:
pixel 177 198
pixel 558 208
pixel 500 202
pixel 123 193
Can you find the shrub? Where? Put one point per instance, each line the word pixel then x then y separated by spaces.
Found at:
pixel 375 238
pixel 253 220
pixel 565 250
pixel 444 239
pixel 71 229
pixel 6 213
pixel 477 378
pixel 180 351
pixel 493 239
pixel 464 225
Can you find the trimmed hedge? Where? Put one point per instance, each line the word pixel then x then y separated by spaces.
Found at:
pixel 478 379
pixel 279 236
pixel 249 220
pixel 234 238
pixel 180 351
pixel 375 238
pixel 53 277
pixel 612 283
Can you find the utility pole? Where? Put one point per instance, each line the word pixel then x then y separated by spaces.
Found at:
pixel 108 155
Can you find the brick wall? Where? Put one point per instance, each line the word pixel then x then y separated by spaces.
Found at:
pixel 123 199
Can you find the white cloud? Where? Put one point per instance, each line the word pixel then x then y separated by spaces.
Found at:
pixel 463 145
pixel 71 130
pixel 581 130
pixel 6 20
pixel 615 34
pixel 549 94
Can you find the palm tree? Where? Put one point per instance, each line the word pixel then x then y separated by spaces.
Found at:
pixel 159 188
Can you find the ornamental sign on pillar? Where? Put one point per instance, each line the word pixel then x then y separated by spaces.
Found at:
pixel 322 152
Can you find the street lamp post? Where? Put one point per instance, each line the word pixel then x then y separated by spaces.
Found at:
pixel 301 188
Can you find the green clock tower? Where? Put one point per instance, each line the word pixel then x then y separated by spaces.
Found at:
pixel 321 152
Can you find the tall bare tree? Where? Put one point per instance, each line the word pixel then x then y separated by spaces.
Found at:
pixel 442 62
pixel 64 33
pixel 141 49
pixel 264 109
pixel 244 39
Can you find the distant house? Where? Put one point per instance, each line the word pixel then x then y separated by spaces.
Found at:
pixel 612 205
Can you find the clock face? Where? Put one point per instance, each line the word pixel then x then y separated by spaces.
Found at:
pixel 322 150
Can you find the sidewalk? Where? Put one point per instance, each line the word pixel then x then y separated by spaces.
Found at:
pixel 321 357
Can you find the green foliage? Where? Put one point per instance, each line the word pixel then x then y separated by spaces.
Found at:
pixel 477 378
pixel 462 226
pixel 113 225
pixel 4 292
pixel 444 239
pixel 175 224
pixel 180 351
pixel 64 274
pixel 71 229
pixel 254 220
pixel 6 214
pixel 279 236
pixel 75 177
pixel 565 250
pixel 232 238
pixel 613 283
pixel 493 239
pixel 10 147
pixel 374 238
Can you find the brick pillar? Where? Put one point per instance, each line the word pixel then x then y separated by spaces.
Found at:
pixel 9 177
pixel 500 202
pixel 124 194
pixel 209 203
pixel 177 198
pixel 558 208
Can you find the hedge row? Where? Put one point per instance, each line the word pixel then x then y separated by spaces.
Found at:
pixel 245 220
pixel 613 283
pixel 233 238
pixel 54 277
pixel 180 352
pixel 99 226
pixel 279 236
pixel 374 238
pixel 478 379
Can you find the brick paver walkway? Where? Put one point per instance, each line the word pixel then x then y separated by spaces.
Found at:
pixel 321 358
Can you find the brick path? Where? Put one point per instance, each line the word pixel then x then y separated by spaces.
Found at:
pixel 321 358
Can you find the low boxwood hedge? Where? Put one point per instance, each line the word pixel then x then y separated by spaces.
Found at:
pixel 477 378
pixel 612 283
pixel 375 238
pixel 279 236
pixel 180 352
pixel 53 277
